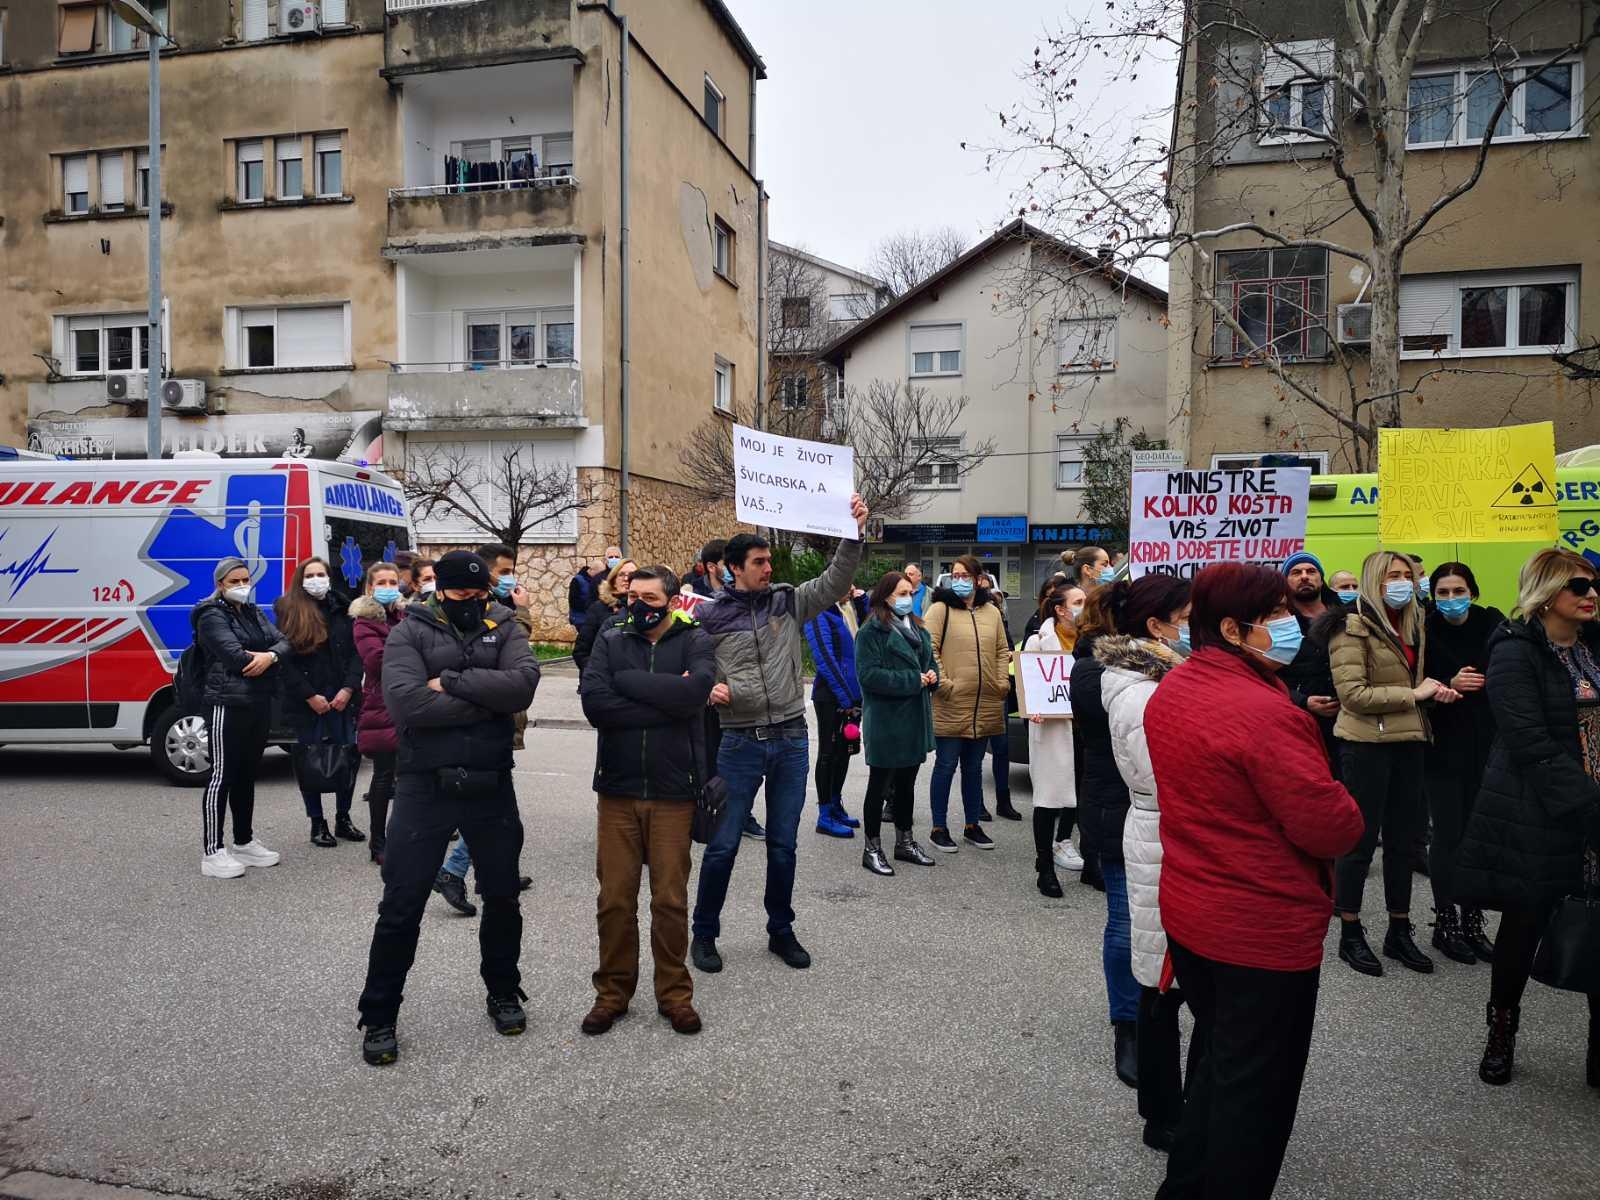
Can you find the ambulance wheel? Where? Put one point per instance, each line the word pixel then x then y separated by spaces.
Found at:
pixel 181 750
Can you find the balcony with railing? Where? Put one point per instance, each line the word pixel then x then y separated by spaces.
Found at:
pixel 443 35
pixel 479 396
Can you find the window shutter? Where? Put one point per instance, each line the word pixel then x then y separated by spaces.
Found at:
pixel 335 12
pixel 76 34
pixel 1428 308
pixel 933 338
pixel 330 141
pixel 111 189
pixel 75 173
pixel 311 337
pixel 1278 67
pixel 254 26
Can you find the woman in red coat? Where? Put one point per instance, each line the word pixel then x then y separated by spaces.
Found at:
pixel 1251 821
pixel 375 613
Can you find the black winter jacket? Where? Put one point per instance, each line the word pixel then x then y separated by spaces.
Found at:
pixel 328 669
pixel 1463 732
pixel 595 619
pixel 1311 674
pixel 229 634
pixel 648 704
pixel 1102 793
pixel 1523 846
pixel 487 676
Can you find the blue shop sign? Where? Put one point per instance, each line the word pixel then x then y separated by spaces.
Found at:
pixel 1011 530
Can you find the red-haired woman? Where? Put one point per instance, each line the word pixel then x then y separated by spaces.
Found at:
pixel 1251 821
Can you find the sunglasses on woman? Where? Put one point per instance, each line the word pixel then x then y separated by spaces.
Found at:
pixel 1581 585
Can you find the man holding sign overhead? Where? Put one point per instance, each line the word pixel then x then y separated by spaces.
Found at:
pixel 757 626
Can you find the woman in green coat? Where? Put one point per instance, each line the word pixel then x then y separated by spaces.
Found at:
pixel 897 672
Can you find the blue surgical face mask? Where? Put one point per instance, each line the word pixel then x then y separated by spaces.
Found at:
pixel 1286 639
pixel 505 585
pixel 1424 587
pixel 904 604
pixel 727 577
pixel 1454 608
pixel 611 563
pixel 961 586
pixel 1183 638
pixel 1108 574
pixel 1349 597
pixel 386 595
pixel 1399 593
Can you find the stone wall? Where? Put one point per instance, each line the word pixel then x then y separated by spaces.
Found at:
pixel 669 525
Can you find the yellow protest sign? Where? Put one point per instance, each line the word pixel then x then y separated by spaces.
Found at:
pixel 1467 485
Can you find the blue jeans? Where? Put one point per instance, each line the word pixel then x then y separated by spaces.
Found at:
pixel 1122 989
pixel 968 752
pixel 459 858
pixel 744 763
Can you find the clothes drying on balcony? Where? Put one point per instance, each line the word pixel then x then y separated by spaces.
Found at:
pixel 517 170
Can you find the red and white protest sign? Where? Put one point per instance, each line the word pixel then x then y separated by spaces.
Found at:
pixel 1180 522
pixel 1044 684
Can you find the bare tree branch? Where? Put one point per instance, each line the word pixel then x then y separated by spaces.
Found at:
pixel 903 260
pixel 504 497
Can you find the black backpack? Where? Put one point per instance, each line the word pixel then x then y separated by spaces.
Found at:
pixel 190 681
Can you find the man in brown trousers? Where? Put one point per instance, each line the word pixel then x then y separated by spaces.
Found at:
pixel 645 691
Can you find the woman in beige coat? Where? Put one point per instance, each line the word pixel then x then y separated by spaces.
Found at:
pixel 1376 648
pixel 969 642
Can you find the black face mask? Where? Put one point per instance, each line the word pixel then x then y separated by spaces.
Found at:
pixel 465 615
pixel 645 616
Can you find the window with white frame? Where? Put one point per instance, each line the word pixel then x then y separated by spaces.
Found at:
pixel 123 37
pixel 1278 297
pixel 935 349
pixel 113 195
pixel 290 180
pixel 1525 312
pixel 253 24
pixel 849 306
pixel 1070 460
pixel 485 464
pixel 1452 105
pixel 715 105
pixel 1296 95
pixel 94 345
pixel 75 183
pixel 518 337
pixel 557 155
pixel 1087 344
pixel 310 335
pixel 939 469
pixel 329 151
pixel 722 385
pixel 141 179
pixel 722 248
pixel 250 183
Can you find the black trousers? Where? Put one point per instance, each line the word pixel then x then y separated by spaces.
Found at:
pixel 419 831
pixel 1161 1055
pixel 1386 781
pixel 1252 1035
pixel 380 791
pixel 237 738
pixel 900 785
pixel 1515 943
pixel 1452 788
pixel 833 764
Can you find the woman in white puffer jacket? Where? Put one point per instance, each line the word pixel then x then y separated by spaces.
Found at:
pixel 1133 668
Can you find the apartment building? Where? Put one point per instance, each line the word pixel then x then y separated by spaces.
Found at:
pixel 1041 375
pixel 1499 286
pixel 394 230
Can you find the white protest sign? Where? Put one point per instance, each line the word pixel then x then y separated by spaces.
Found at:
pixel 1042 684
pixel 1180 522
pixel 789 483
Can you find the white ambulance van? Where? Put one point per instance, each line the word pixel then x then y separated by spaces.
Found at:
pixel 102 561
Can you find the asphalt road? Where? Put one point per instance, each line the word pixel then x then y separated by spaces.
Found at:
pixel 197 1035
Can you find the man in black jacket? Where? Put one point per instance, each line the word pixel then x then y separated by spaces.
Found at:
pixel 645 689
pixel 454 672
pixel 1309 677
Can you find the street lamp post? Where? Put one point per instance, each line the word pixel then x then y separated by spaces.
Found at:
pixel 137 15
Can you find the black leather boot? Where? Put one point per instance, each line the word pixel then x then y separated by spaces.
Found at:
pixel 1049 885
pixel 1002 806
pixel 1447 936
pixel 1091 873
pixel 320 835
pixel 1472 932
pixel 454 890
pixel 872 858
pixel 1399 945
pixel 1127 1051
pixel 1353 948
pixel 1500 1052
pixel 907 850
pixel 347 831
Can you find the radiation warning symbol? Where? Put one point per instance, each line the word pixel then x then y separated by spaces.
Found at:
pixel 1528 490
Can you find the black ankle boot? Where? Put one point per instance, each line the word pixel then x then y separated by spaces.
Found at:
pixel 1472 932
pixel 1127 1051
pixel 1399 945
pixel 1354 950
pixel 1447 936
pixel 907 850
pixel 320 835
pixel 1500 1052
pixel 1002 807
pixel 1091 873
pixel 1049 885
pixel 347 831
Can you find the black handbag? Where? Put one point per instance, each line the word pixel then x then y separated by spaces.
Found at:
pixel 324 761
pixel 1568 957
pixel 708 809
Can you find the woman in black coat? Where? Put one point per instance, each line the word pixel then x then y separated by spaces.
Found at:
pixel 1457 654
pixel 613 589
pixel 1531 837
pixel 321 686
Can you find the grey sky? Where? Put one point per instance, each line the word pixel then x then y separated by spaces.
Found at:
pixel 866 103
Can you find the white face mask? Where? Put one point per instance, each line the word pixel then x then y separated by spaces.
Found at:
pixel 317 585
pixel 239 595
pixel 427 588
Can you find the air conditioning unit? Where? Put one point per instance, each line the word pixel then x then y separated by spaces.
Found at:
pixel 1355 324
pixel 124 387
pixel 298 18
pixel 184 395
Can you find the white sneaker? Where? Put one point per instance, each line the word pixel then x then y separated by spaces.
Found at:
pixel 254 854
pixel 221 865
pixel 1067 856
